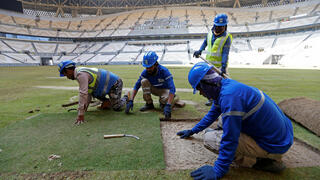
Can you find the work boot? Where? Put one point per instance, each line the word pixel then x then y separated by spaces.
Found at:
pixel 147 107
pixel 270 165
pixel 209 103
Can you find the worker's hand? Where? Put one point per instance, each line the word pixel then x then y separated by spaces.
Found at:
pixel 80 120
pixel 197 54
pixel 167 111
pixel 185 133
pixel 204 172
pixel 129 106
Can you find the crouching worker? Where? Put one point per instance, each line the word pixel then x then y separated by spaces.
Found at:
pixel 255 132
pixel 157 80
pixel 93 82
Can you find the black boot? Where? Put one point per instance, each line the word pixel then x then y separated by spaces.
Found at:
pixel 147 107
pixel 270 165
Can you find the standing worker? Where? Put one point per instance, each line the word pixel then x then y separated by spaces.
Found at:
pixel 93 82
pixel 157 80
pixel 256 133
pixel 219 42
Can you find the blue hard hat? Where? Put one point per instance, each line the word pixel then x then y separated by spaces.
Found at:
pixel 149 59
pixel 65 64
pixel 197 72
pixel 220 20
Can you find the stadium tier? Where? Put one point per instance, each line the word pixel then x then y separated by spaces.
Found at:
pixel 173 32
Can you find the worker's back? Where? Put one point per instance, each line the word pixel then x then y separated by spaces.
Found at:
pixel 263 120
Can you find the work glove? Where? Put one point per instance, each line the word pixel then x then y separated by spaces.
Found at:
pixel 205 172
pixel 185 133
pixel 129 106
pixel 167 111
pixel 197 54
pixel 80 120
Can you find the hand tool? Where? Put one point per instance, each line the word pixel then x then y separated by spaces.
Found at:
pixel 119 135
pixel 215 68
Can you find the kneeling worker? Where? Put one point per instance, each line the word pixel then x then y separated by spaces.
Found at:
pixel 157 80
pixel 93 82
pixel 255 132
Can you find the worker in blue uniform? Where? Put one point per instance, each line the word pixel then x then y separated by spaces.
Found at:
pixel 219 42
pixel 255 132
pixel 157 80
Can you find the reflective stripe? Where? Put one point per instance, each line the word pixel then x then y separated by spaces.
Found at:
pixel 233 113
pixel 215 62
pixel 246 115
pixel 256 108
pixel 158 84
pixel 107 82
pixel 168 77
pixel 222 41
pixel 100 80
pixel 97 81
pixel 93 72
pixel 215 54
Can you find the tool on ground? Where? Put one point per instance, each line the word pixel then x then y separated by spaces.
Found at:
pixel 74 103
pixel 72 109
pixel 119 135
pixel 215 68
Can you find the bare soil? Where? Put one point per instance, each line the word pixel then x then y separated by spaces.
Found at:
pixel 304 111
pixel 190 153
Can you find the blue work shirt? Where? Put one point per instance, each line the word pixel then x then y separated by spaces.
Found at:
pixel 162 80
pixel 225 49
pixel 247 110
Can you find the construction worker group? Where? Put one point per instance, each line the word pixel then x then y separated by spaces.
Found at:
pixel 253 130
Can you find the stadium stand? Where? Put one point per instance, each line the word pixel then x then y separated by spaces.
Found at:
pixel 20 46
pixel 110 39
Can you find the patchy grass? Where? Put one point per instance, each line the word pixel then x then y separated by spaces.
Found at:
pixel 27 143
pixel 239 174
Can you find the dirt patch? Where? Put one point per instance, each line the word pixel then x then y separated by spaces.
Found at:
pixel 181 153
pixel 304 111
pixel 190 153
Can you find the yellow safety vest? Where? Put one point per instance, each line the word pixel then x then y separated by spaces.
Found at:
pixel 214 55
pixel 93 73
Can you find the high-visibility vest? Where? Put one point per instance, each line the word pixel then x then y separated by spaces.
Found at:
pixel 101 81
pixel 214 55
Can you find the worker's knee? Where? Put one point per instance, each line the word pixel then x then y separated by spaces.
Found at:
pixel 145 83
pixel 212 140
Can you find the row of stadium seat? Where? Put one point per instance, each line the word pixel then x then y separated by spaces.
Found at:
pixel 197 20
pixel 14 51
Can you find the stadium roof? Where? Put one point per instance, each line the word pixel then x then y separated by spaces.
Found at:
pixel 100 7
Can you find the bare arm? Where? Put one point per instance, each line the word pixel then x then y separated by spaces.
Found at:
pixel 170 98
pixel 134 93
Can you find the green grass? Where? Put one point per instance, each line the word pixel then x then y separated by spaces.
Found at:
pixel 27 143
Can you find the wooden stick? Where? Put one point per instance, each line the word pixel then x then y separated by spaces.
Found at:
pixel 215 69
